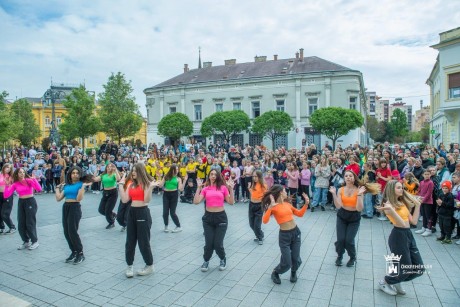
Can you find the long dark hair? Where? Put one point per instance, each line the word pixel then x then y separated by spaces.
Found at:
pixel 83 178
pixel 219 180
pixel 275 190
pixel 171 173
pixel 15 174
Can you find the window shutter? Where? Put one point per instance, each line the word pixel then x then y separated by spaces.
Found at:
pixel 454 80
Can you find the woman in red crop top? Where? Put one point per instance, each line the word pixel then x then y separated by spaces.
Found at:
pixel 397 204
pixel 215 221
pixel 139 192
pixel 275 203
pixel 6 204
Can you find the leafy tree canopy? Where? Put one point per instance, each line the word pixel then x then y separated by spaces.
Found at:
pixel 272 124
pixel 175 126
pixel 335 122
pixel 22 113
pixel 398 124
pixel 227 123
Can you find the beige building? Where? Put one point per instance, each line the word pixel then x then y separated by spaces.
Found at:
pixel 421 117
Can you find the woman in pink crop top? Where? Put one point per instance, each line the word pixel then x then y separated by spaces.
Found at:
pixel 6 204
pixel 27 206
pixel 215 221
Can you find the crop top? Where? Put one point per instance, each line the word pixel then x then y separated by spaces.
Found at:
pixel 25 187
pixel 136 193
pixel 214 197
pixel 109 181
pixel 403 212
pixel 257 193
pixel 172 184
pixel 71 190
pixel 2 179
pixel 349 201
pixel 283 213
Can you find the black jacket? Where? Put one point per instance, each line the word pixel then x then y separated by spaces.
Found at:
pixel 447 207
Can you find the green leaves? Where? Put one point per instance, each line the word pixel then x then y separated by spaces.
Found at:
pixel 398 124
pixel 175 126
pixel 21 112
pixel 272 124
pixel 226 123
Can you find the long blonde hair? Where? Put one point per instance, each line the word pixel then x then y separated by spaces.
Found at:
pixel 389 195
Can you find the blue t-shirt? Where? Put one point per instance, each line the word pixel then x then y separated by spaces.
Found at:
pixel 71 190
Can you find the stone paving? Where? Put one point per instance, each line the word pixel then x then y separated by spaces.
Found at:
pixel 42 278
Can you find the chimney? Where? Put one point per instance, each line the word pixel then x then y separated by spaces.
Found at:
pixel 275 57
pixel 260 58
pixel 230 62
pixel 421 104
pixel 301 54
pixel 296 55
pixel 185 68
pixel 207 64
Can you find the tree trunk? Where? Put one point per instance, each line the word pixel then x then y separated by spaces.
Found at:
pixel 333 143
pixel 273 142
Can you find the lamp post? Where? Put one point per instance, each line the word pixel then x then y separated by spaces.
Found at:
pixel 50 96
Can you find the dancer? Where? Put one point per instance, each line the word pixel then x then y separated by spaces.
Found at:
pixel 349 202
pixel 27 206
pixel 6 204
pixel 123 208
pixel 172 184
pixel 139 192
pixel 275 203
pixel 109 180
pixel 397 205
pixel 215 220
pixel 255 212
pixel 73 191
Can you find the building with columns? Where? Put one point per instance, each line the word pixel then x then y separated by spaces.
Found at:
pixel 298 86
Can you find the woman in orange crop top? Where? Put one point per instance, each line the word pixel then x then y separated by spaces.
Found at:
pixel 257 190
pixel 397 204
pixel 275 203
pixel 139 223
pixel 349 202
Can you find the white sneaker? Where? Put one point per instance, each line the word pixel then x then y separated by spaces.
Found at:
pixel 94 192
pixel 24 245
pixel 34 246
pixel 123 228
pixel 177 229
pixel 420 219
pixel 387 288
pixel 421 230
pixel 458 242
pixel 399 289
pixel 427 233
pixel 148 269
pixel 97 192
pixel 129 271
pixel 382 218
pixel 167 229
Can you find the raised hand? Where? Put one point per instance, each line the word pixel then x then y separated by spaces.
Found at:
pixel 230 184
pixel 361 190
pixel 333 190
pixel 307 199
pixel 199 182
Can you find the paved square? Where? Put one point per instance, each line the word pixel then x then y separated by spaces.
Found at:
pixel 42 278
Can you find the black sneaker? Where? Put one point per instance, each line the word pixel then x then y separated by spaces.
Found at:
pixel 433 230
pixel 276 278
pixel 338 261
pixel 456 237
pixel 440 239
pixel 293 276
pixel 223 264
pixel 322 208
pixel 110 226
pixel 205 266
pixel 351 262
pixel 71 257
pixel 312 209
pixel 79 259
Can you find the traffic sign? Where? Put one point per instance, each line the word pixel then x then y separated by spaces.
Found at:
pixel 433 131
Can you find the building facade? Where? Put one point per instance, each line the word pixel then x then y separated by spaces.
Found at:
pixel 297 86
pixel 421 118
pixel 444 82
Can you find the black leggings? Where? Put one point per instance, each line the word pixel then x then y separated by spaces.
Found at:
pixel 427 215
pixel 293 195
pixel 71 216
pixel 255 214
pixel 169 207
pixel 108 202
pixel 122 213
pixel 27 219
pixel 6 205
pixel 347 226
pixel 138 230
pixel 215 227
pixel 289 242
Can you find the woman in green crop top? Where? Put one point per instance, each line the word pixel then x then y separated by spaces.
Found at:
pixel 172 185
pixel 109 179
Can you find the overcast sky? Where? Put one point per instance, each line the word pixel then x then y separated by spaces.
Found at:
pixel 150 41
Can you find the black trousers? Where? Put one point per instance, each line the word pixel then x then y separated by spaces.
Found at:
pixel 305 189
pixel 347 226
pixel 244 187
pixel 138 230
pixel 445 224
pixel 402 243
pixel 236 190
pixel 255 214
pixel 6 205
pixel 122 213
pixel 108 202
pixel 170 199
pixel 434 216
pixel 215 226
pixel 427 215
pixel 289 242
pixel 293 195
pixel 27 219
pixel 49 185
pixel 71 216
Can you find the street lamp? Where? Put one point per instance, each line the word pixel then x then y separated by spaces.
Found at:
pixel 50 96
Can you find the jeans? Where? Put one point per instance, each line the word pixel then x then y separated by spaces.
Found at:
pixel 170 199
pixel 402 243
pixel 368 204
pixel 289 242
pixel 71 216
pixel 347 226
pixel 138 230
pixel 255 214
pixel 27 219
pixel 108 202
pixel 215 226
pixel 319 197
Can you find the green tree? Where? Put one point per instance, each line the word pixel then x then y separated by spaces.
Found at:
pixel 81 120
pixel 175 126
pixel 425 133
pixel 22 113
pixel 3 96
pixel 227 123
pixel 119 114
pixel 272 124
pixel 9 127
pixel 335 122
pixel 398 126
